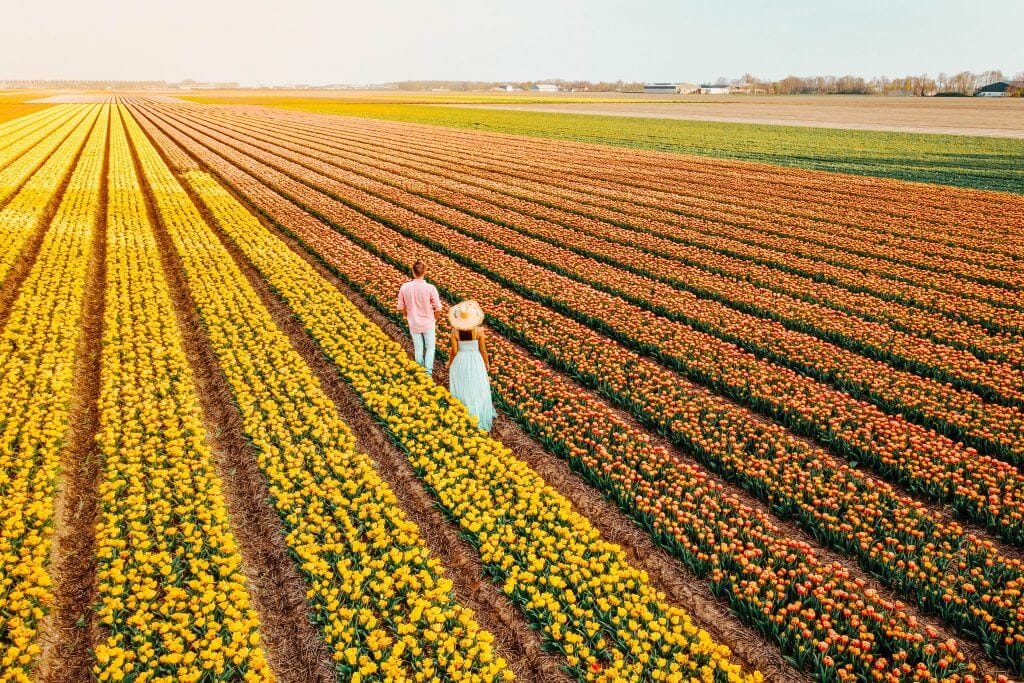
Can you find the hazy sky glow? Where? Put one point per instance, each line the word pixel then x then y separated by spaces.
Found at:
pixel 324 41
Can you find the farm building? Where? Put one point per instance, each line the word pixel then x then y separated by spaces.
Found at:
pixel 660 88
pixel 544 87
pixel 709 89
pixel 999 89
pixel 746 89
pixel 687 88
pixel 508 88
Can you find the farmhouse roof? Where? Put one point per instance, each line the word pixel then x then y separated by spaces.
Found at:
pixel 1000 86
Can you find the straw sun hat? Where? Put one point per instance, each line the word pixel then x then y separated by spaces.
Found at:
pixel 465 315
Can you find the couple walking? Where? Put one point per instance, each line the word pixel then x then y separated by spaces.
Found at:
pixel 468 363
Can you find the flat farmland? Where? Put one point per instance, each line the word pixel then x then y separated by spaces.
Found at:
pixel 974 116
pixel 998 117
pixel 757 422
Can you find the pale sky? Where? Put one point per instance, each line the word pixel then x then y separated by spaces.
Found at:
pixel 323 41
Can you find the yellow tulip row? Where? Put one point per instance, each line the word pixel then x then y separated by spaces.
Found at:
pixel 385 607
pixel 579 590
pixel 25 120
pixel 26 130
pixel 22 157
pixel 172 602
pixel 29 128
pixel 20 218
pixel 37 357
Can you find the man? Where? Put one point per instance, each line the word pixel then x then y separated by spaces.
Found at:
pixel 419 300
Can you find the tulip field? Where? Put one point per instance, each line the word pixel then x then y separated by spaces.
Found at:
pixel 913 140
pixel 788 403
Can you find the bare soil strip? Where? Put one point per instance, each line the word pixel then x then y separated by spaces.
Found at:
pixel 70 631
pixel 294 649
pixel 666 574
pixel 514 639
pixel 998 120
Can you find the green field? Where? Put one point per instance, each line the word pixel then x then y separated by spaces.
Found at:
pixel 978 162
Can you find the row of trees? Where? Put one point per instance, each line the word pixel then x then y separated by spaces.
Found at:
pixel 963 83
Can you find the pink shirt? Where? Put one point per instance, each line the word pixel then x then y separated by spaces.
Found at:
pixel 419 299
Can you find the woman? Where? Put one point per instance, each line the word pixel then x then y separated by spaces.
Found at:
pixel 468 363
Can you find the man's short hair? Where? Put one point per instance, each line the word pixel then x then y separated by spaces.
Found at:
pixel 419 268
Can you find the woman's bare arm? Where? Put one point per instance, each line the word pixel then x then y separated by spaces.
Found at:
pixel 453 348
pixel 482 338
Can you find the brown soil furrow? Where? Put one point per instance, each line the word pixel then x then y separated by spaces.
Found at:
pixel 666 574
pixel 293 646
pixel 514 639
pixel 69 633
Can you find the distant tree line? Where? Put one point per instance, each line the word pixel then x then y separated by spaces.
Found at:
pixel 963 83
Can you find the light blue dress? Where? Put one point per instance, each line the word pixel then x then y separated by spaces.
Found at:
pixel 468 382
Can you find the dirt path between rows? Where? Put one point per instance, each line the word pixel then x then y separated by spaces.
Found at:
pixel 69 633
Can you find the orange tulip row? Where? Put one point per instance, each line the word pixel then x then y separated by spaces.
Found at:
pixel 916 457
pixel 663 249
pixel 963 213
pixel 817 612
pixel 958 414
pixel 959 576
pixel 765 233
pixel 891 217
